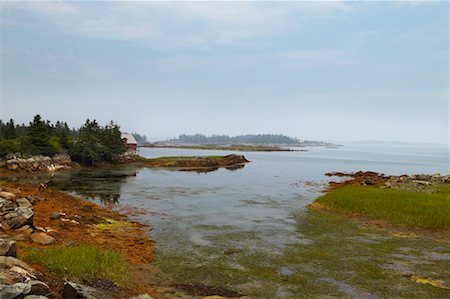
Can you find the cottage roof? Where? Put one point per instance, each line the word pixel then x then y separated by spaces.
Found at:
pixel 130 138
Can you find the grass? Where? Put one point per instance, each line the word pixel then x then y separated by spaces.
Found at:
pixel 414 209
pixel 111 224
pixel 84 261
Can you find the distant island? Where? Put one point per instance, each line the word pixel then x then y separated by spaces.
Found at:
pixel 249 142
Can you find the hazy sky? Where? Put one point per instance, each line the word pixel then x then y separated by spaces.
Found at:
pixel 315 70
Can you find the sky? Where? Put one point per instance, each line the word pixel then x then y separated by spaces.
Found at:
pixel 318 70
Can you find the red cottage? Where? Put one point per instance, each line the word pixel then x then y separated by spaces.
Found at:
pixel 130 142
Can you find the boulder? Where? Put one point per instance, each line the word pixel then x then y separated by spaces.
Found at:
pixel 42 238
pixel 7 247
pixel 10 262
pixel 16 290
pixel 39 288
pixel 36 297
pixel 19 217
pixel 7 205
pixel 23 203
pixel 74 290
pixel 7 195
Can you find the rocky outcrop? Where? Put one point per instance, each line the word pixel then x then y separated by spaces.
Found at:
pixel 417 182
pixel 36 163
pixel 186 163
pixel 411 183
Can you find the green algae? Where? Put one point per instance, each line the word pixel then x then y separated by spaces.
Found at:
pixel 343 259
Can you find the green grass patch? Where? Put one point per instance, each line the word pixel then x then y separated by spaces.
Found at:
pixel 111 224
pixel 415 209
pixel 85 261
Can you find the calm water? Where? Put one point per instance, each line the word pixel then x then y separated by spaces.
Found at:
pixel 249 229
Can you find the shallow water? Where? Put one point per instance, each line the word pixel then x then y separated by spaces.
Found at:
pixel 249 229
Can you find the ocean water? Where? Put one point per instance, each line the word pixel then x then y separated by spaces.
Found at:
pixel 250 229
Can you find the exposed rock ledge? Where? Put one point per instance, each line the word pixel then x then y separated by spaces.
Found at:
pixel 37 163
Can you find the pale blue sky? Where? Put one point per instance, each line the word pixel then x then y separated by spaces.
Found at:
pixel 315 70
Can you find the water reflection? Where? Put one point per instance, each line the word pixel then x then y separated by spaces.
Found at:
pixel 103 184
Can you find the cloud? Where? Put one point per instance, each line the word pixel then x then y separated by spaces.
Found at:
pixel 41 7
pixel 163 25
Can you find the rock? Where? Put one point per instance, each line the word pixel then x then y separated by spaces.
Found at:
pixel 74 290
pixel 23 203
pixel 39 288
pixel 55 215
pixel 16 290
pixel 7 195
pixel 27 232
pixel 42 238
pixel 24 275
pixel 19 217
pixel 9 262
pixel 23 228
pixel 35 297
pixel 7 247
pixel 7 205
pixel 13 166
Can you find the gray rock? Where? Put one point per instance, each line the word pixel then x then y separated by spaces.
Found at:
pixel 9 262
pixel 7 247
pixel 55 215
pixel 7 205
pixel 19 217
pixel 35 297
pixel 74 290
pixel 16 290
pixel 39 288
pixel 23 203
pixel 7 195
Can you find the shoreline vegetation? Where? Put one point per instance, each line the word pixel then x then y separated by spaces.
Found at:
pixel 418 202
pixel 237 147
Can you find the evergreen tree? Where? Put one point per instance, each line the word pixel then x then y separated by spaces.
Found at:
pixel 39 134
pixel 111 142
pixel 9 131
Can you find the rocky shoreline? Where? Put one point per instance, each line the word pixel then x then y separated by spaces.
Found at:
pixel 35 217
pixel 17 162
pixel 411 183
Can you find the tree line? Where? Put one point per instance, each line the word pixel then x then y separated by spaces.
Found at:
pixel 89 144
pixel 241 139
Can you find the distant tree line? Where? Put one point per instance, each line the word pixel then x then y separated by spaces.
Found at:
pixel 241 139
pixel 89 144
